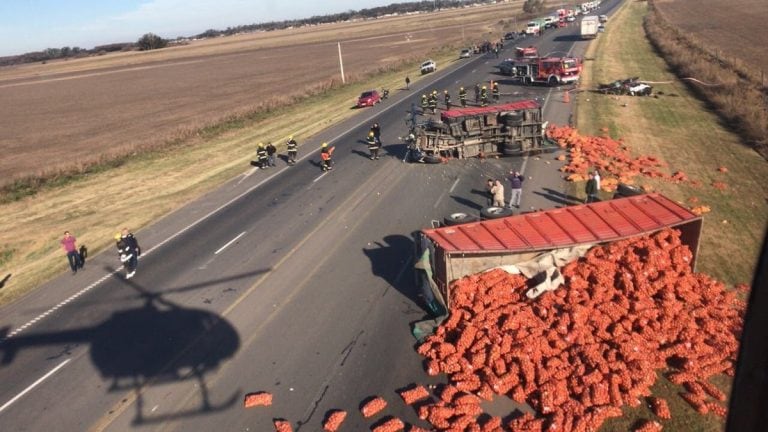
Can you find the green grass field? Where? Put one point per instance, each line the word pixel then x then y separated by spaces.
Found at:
pixel 679 129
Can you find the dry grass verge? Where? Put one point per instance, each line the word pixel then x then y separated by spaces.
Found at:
pixel 681 130
pixel 737 93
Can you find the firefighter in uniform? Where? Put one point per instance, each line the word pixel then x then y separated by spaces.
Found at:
pixel 424 103
pixel 477 93
pixel 463 96
pixel 261 156
pixel 373 146
pixel 325 155
pixel 447 99
pixel 495 91
pixel 293 150
pixel 376 129
pixel 483 96
pixel 433 101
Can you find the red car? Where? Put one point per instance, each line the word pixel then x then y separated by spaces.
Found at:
pixel 368 98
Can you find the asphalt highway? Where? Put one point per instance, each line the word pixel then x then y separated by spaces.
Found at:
pixel 286 280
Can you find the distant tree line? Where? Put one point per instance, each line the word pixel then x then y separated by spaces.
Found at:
pixel 394 8
pixel 151 41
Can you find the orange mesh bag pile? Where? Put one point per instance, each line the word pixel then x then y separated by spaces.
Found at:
pixel 333 420
pixel 610 156
pixel 578 354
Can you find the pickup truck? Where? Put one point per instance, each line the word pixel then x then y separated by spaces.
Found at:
pixel 428 66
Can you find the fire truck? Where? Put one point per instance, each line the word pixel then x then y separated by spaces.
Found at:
pixel 548 70
pixel 526 52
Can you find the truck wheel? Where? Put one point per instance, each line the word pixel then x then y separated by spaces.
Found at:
pixel 527 81
pixel 495 212
pixel 458 218
pixel 625 190
pixel 553 81
pixel 432 159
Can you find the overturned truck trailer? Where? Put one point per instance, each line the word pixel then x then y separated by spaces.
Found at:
pixel 510 129
pixel 541 242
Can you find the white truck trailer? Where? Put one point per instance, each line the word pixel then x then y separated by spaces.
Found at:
pixel 589 26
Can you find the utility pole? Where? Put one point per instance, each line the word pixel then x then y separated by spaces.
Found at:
pixel 341 65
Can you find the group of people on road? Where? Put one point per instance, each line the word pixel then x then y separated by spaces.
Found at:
pixel 495 190
pixel 128 251
pixel 429 100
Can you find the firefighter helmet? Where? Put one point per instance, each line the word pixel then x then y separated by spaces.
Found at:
pixel 434 91
pixel 118 236
pixel 324 145
pixel 290 137
pixel 461 88
pixel 483 87
pixel 370 134
pixel 261 144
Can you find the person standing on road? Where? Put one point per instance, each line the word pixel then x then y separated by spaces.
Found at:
pixel 597 183
pixel 407 83
pixel 373 146
pixel 447 100
pixel 376 129
pixel 477 93
pixel 463 97
pixel 261 156
pixel 69 243
pixel 498 194
pixel 495 91
pixel 293 150
pixel 134 249
pixel 271 150
pixel 326 154
pixel 483 96
pixel 516 186
pixel 591 189
pixel 424 103
pixel 433 101
pixel 489 191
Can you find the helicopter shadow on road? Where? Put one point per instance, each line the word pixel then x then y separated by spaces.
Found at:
pixel 155 343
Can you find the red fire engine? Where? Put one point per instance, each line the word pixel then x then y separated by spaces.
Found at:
pixel 526 52
pixel 550 70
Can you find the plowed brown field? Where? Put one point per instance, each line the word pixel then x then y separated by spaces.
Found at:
pixel 733 28
pixel 67 114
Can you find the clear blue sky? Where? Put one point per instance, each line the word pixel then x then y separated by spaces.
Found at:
pixel 33 25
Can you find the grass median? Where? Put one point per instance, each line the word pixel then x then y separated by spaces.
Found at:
pixel 681 130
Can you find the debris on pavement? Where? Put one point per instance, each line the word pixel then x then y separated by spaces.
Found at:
pixel 391 424
pixel 258 399
pixel 413 394
pixel 333 420
pixel 373 406
pixel 282 425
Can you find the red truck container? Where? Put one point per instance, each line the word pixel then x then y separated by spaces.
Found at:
pixel 450 253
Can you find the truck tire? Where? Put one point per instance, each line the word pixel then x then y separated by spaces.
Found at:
pixel 625 190
pixel 527 81
pixel 458 218
pixel 552 81
pixel 495 212
pixel 432 159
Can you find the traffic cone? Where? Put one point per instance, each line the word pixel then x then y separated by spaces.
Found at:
pixel 566 97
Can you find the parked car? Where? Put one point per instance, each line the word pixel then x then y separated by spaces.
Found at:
pixel 465 53
pixel 601 28
pixel 510 36
pixel 368 98
pixel 571 18
pixel 428 66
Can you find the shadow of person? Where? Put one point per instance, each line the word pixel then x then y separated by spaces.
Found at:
pixel 5 279
pixel 157 342
pixel 558 197
pixel 361 153
pixel 395 150
pixel 392 260
pixel 467 202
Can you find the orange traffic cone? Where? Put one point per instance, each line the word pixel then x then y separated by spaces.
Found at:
pixel 566 97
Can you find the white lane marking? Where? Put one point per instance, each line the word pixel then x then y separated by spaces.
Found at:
pixel 440 198
pixel 247 174
pixel 34 384
pixel 225 205
pixel 229 243
pixel 454 185
pixel 319 177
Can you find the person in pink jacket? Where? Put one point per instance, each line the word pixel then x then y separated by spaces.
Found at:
pixel 69 243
